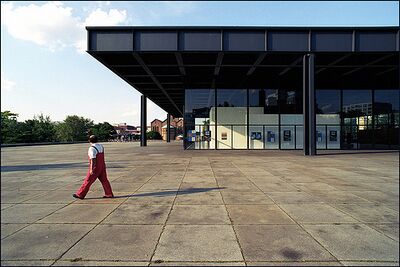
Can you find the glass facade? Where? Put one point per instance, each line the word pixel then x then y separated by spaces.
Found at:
pixel 199 119
pixel 231 119
pixel 273 119
pixel 386 118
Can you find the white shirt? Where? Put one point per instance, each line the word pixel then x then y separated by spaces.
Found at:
pixel 92 152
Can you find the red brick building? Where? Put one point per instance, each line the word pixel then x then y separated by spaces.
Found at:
pixel 176 127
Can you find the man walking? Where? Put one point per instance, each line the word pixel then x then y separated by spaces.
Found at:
pixel 97 169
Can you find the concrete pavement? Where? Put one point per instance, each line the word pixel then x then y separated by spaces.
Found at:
pixel 176 207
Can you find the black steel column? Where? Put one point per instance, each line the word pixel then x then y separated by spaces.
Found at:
pixel 143 121
pixel 309 126
pixel 168 128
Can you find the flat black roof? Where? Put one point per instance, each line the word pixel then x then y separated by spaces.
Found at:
pixel 161 62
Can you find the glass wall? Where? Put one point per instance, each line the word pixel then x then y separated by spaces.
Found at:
pixel 273 119
pixel 199 119
pixel 231 119
pixel 291 118
pixel 263 119
pixel 328 105
pixel 357 119
pixel 386 118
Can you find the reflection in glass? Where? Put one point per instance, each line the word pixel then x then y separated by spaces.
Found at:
pixel 328 101
pixel 357 112
pixel 290 101
pixel 386 118
pixel 232 117
pixel 199 119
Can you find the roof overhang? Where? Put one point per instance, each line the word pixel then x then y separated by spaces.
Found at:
pixel 160 62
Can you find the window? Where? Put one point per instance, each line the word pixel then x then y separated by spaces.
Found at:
pixel 200 118
pixel 232 118
pixel 328 101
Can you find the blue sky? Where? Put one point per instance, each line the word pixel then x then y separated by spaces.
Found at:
pixel 44 68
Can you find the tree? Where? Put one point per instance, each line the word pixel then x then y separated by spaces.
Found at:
pixel 74 128
pixel 153 135
pixel 43 129
pixel 9 126
pixel 104 131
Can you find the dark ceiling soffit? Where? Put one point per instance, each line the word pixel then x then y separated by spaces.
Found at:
pixel 256 63
pixel 293 64
pixel 218 63
pixel 180 63
pixel 127 81
pixel 155 80
pixel 333 63
pixel 368 64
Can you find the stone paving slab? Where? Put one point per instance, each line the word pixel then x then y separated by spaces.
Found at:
pixel 198 243
pixel 355 242
pixel 42 241
pixel 191 263
pixel 389 229
pixel 245 197
pixel 316 213
pixel 16 196
pixel 26 263
pixel 28 213
pixel 204 208
pixel 100 263
pixel 295 263
pixel 138 214
pixel 52 197
pixel 370 213
pixel 369 263
pixel 80 213
pixel 258 214
pixel 279 243
pixel 199 214
pixel 10 228
pixel 117 242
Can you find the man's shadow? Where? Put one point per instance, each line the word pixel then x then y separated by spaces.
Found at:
pixel 165 193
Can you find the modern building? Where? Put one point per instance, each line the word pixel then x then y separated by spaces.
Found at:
pixel 303 88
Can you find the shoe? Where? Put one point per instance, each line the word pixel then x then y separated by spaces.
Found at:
pixel 76 196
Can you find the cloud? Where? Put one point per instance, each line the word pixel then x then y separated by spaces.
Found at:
pixel 130 113
pixel 6 84
pixel 53 25
pixel 178 8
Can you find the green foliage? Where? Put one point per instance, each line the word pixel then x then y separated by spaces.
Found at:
pixel 153 135
pixel 104 131
pixel 39 129
pixel 73 128
pixel 9 126
pixel 42 129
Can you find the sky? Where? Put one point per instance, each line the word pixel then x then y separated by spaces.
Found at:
pixel 45 69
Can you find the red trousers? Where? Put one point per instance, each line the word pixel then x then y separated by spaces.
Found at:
pixel 99 172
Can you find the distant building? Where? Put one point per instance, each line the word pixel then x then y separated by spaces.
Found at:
pixel 126 132
pixel 124 129
pixel 156 125
pixel 161 127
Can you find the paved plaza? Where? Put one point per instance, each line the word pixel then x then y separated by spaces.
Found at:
pixel 176 207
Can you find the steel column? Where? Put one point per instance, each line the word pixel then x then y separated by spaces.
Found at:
pixel 168 128
pixel 309 105
pixel 143 121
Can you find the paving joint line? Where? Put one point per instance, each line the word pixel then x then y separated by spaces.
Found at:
pixel 292 219
pixel 99 222
pixel 169 213
pixel 230 219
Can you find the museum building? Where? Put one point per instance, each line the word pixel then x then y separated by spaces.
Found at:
pixel 305 88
